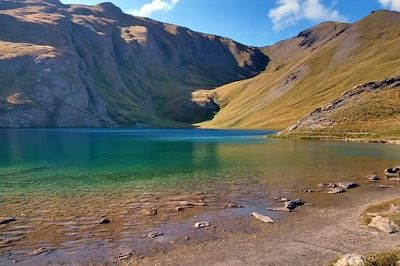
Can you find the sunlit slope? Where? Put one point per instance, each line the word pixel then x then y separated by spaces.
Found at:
pixel 371 110
pixel 310 70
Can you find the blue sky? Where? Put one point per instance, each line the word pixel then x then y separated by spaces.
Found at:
pixel 252 22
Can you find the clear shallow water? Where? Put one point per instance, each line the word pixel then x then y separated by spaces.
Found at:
pixel 60 182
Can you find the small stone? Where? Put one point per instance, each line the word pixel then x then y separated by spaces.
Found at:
pixel 105 221
pixel 307 190
pixel 336 191
pixel 351 260
pixel 38 251
pixel 326 185
pixel 124 256
pixel 188 238
pixel 7 220
pixel 281 199
pixel 262 217
pixel 347 185
pixel 149 212
pixel 178 209
pixel 291 205
pixel 233 206
pixel 191 203
pixel 201 224
pixel 373 177
pixel 153 234
pixel 394 179
pixel 384 224
pixel 384 186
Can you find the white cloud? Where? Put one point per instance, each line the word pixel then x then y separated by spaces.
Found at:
pixel 391 4
pixel 154 6
pixel 289 12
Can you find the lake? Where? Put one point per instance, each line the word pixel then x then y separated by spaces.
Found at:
pixel 60 182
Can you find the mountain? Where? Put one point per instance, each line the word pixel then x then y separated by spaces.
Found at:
pixel 310 70
pixel 94 66
pixel 370 110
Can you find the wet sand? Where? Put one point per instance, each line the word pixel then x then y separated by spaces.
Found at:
pixel 70 232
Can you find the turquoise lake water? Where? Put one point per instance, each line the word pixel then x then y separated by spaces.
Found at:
pixel 84 160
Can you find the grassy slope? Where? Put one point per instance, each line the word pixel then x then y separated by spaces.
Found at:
pixel 367 50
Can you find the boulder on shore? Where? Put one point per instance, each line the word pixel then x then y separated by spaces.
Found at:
pixel 384 224
pixel 351 260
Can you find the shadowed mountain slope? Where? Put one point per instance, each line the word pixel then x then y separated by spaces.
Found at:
pixel 94 66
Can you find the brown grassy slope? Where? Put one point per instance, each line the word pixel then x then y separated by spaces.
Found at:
pixel 310 70
pixel 370 110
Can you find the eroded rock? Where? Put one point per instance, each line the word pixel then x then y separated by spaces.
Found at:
pixel 326 185
pixel 39 251
pixel 373 177
pixel 105 221
pixel 234 206
pixel 293 204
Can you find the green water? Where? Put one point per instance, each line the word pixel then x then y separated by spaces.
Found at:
pixel 68 161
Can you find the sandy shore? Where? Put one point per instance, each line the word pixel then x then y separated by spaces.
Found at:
pixel 311 235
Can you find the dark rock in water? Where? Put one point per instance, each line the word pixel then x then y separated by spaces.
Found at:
pixel 234 206
pixel 373 177
pixel 153 234
pixel 336 191
pixel 7 220
pixel 326 185
pixel 392 172
pixel 105 221
pixel 347 185
pixel 291 205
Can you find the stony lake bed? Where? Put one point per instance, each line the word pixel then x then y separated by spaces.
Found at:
pixel 185 197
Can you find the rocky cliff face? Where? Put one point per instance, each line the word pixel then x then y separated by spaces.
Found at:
pixel 94 66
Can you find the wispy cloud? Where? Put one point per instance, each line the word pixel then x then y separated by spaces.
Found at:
pixel 391 4
pixel 289 12
pixel 154 6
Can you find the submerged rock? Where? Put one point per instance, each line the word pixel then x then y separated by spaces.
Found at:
pixel 149 212
pixel 233 206
pixel 153 234
pixel 284 209
pixel 39 251
pixel 201 225
pixel 351 260
pixel 336 191
pixel 347 185
pixel 124 256
pixel 262 218
pixel 7 220
pixel 384 224
pixel 281 199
